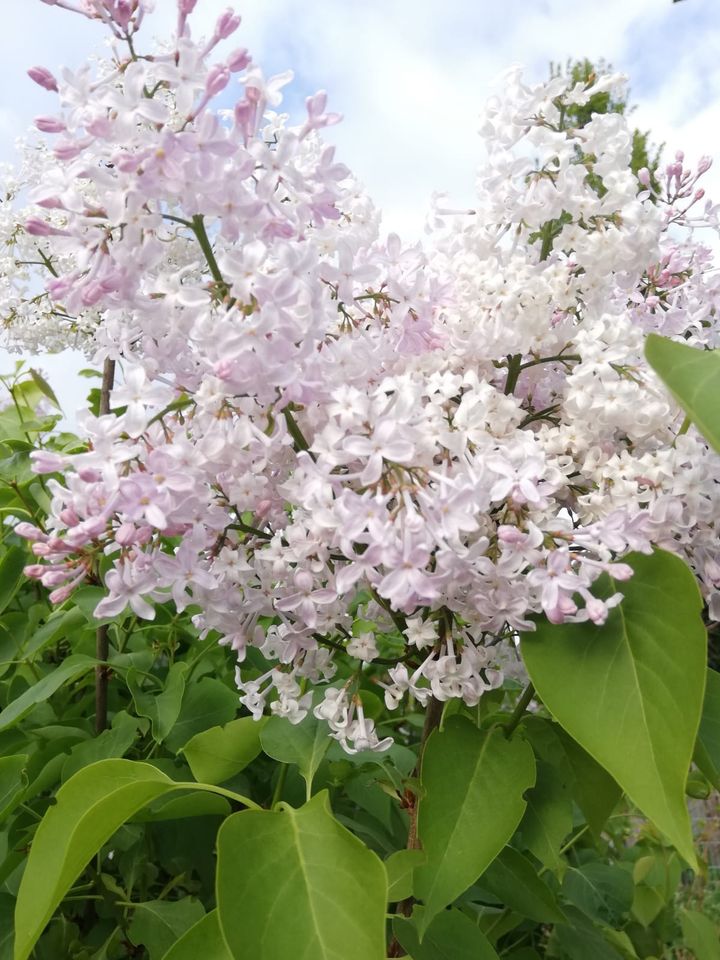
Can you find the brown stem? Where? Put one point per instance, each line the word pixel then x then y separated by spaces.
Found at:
pixel 102 644
pixel 433 716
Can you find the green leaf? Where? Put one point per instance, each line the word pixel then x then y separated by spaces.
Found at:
pixel 707 748
pixel 473 782
pixel 602 891
pixel 647 904
pixel 89 808
pixel 60 625
pixel 400 867
pixel 114 742
pixel 198 804
pixel 692 376
pixel 450 936
pixel 700 934
pixel 583 939
pixel 45 388
pixel 69 669
pixel 7 905
pixel 162 709
pixel 304 744
pixel 11 573
pixel 203 939
pixel 12 782
pixel 595 791
pixel 630 692
pixel 157 924
pixel 548 818
pixel 294 883
pixel 217 754
pixel 86 598
pixel 512 878
pixel 207 703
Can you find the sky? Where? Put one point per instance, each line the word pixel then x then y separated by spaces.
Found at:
pixel 410 77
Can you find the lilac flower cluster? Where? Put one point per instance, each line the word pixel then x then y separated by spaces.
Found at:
pixel 331 441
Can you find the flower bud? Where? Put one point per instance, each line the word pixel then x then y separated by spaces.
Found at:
pixel 303 581
pixel 40 228
pixel 125 534
pixel 55 576
pixel 49 124
pixel 238 60
pixel 43 77
pixel 44 461
pixel 28 531
pixel 217 79
pixel 60 595
pixel 51 203
pixel 227 24
pixel 704 164
pixel 508 534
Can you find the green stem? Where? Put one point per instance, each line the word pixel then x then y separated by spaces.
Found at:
pixel 514 369
pixel 230 794
pixel 547 242
pixel 198 227
pixel 684 427
pixel 540 415
pixel 102 638
pixel 505 912
pixel 185 223
pixel 11 390
pixel 519 711
pixel 394 616
pixel 433 718
pixel 280 786
pixel 560 358
pixel 295 432
pixel 246 528
pixel 47 262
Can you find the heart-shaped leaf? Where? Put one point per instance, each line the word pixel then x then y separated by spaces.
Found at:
pixel 473 782
pixel 631 691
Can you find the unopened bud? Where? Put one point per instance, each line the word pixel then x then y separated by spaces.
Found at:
pixel 227 24
pixel 704 164
pixel 60 595
pixel 49 124
pixel 238 60
pixel 217 79
pixel 43 77
pixel 28 531
pixel 39 228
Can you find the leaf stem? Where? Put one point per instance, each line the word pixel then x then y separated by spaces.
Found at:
pixel 520 708
pixel 514 370
pixel 198 227
pixel 433 717
pixel 280 786
pixel 295 432
pixel 102 640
